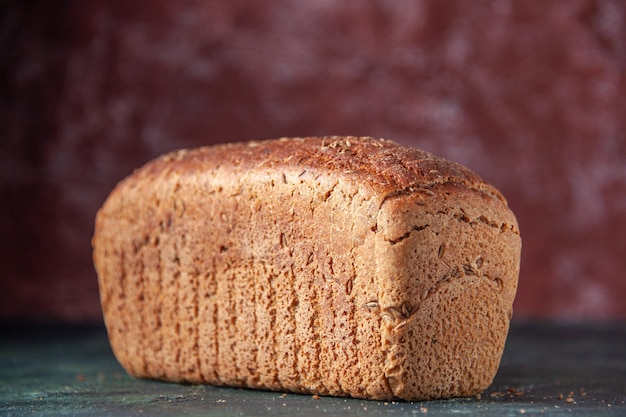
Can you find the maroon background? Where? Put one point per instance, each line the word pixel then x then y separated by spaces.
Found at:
pixel 530 94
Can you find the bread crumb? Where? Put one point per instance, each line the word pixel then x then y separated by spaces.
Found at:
pixel 569 399
pixel 316 397
pixel 515 392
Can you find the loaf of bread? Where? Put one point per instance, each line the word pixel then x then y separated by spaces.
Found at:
pixel 333 266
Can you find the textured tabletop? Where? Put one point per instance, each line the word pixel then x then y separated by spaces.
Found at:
pixel 546 369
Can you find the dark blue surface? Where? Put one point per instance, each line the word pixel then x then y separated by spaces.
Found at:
pixel 546 370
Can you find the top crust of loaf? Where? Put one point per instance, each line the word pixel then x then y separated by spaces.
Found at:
pixel 387 167
pixel 266 264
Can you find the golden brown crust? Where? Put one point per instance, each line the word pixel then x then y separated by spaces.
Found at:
pixel 267 264
pixel 387 166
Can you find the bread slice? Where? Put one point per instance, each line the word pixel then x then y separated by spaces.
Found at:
pixel 334 266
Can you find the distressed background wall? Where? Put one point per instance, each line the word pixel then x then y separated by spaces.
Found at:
pixel 528 94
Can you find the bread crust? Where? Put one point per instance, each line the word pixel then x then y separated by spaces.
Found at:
pixel 330 265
